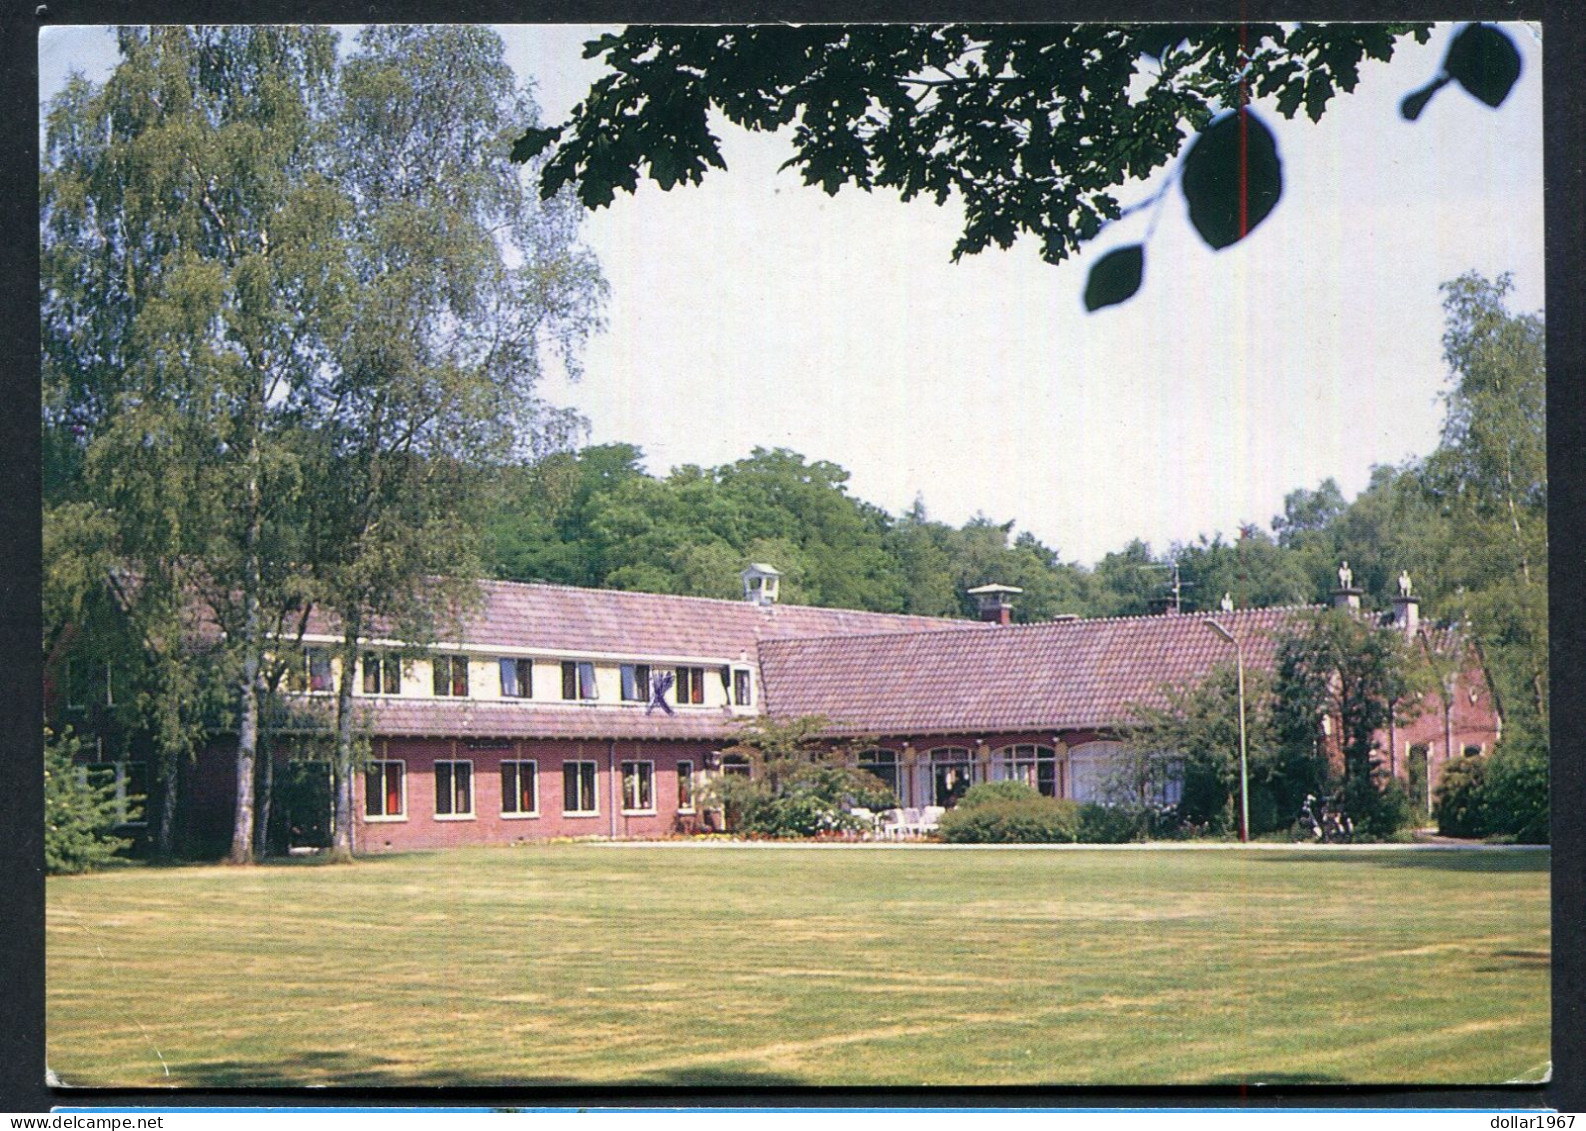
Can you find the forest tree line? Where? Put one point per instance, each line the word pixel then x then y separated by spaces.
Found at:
pixel 1468 523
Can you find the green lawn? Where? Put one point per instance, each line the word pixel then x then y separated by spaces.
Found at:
pixel 745 966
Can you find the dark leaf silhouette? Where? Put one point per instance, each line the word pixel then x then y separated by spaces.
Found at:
pixel 1115 277
pixel 1484 61
pixel 1232 178
pixel 1415 102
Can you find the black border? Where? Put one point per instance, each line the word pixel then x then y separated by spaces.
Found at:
pixel 22 1086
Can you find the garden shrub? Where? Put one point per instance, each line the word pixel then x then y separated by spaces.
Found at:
pixel 1110 824
pixel 1389 813
pixel 993 791
pixel 1460 803
pixel 1020 820
pixel 1516 793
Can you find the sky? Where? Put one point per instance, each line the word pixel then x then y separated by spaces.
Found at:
pixel 753 311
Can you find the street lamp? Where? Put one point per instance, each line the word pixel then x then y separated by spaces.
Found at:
pixel 1244 765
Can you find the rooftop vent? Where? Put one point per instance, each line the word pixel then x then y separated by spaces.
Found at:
pixel 995 602
pixel 760 583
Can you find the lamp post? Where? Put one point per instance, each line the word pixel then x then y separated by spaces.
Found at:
pixel 1244 765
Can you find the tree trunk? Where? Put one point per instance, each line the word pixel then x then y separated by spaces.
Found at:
pixel 252 644
pixel 165 832
pixel 341 840
pixel 261 821
pixel 247 747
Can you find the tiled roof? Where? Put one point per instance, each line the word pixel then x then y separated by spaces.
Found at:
pixel 576 621
pixel 1067 674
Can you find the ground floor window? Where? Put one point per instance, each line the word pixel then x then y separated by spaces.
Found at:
pixel 519 789
pixel 1035 766
pixel 638 787
pixel 454 789
pixel 385 790
pixel 737 764
pixel 951 775
pixel 883 764
pixel 578 788
pixel 685 787
pixel 126 785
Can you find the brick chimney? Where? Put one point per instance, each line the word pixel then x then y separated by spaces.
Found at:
pixel 995 602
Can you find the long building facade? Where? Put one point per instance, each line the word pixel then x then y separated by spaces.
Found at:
pixel 568 712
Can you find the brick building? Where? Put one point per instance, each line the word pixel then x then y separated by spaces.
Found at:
pixel 577 712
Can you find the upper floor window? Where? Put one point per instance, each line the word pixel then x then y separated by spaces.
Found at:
pixel 691 685
pixel 742 692
pixel 382 673
pixel 451 675
pixel 635 683
pixel 385 790
pixel 578 680
pixel 517 678
pixel 316 663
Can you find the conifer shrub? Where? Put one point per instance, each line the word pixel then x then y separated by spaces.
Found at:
pixel 79 815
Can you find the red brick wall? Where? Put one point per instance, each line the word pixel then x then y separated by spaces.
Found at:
pixel 422 828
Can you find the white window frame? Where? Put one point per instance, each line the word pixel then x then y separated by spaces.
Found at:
pixel 386 818
pixel 534 776
pixel 452 792
pixel 1019 755
pixel 381 658
pixel 645 776
pixel 628 676
pixel 696 679
pixel 594 791
pixel 451 659
pixel 579 668
pixel 743 673
pixel 520 664
pixel 685 773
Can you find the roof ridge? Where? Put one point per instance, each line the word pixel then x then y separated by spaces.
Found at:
pixel 730 602
pixel 1152 618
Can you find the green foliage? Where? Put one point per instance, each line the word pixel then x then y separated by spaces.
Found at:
pixel 1516 794
pixel 1011 819
pixel 1460 801
pixel 988 792
pixel 1110 824
pixel 1341 667
pixel 1032 127
pixel 79 815
pixel 799 786
pixel 1504 795
pixel 1199 728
